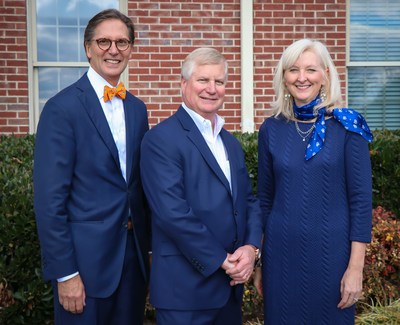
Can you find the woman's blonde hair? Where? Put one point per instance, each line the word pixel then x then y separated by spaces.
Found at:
pixel 282 106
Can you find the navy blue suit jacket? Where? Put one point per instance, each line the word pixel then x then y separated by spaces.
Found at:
pixel 81 199
pixel 196 218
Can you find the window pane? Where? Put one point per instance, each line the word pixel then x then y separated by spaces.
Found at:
pixel 60 27
pixel 45 13
pixel 375 30
pixel 375 92
pixel 47 47
pixel 82 53
pixel 52 80
pixel 69 45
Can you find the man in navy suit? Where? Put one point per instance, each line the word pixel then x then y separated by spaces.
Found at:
pixel 206 224
pixel 90 208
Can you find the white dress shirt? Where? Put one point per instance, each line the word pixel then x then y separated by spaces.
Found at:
pixel 213 139
pixel 114 112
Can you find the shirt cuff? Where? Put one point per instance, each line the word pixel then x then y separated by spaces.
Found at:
pixel 65 278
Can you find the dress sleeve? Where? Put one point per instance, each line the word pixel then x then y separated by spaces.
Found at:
pixel 359 187
pixel 265 181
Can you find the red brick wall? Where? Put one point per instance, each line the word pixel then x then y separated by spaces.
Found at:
pixel 167 30
pixel 14 116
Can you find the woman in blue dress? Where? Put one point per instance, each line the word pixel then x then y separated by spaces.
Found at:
pixel 315 188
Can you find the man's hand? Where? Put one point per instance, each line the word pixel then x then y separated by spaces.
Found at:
pixel 71 294
pixel 227 265
pixel 243 259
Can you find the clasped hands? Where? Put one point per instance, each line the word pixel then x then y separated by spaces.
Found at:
pixel 239 265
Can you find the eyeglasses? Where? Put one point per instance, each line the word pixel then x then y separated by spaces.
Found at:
pixel 105 44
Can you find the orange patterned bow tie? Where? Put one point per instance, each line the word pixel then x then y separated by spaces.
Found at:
pixel 109 92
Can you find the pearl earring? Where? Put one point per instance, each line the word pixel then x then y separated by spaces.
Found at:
pixel 287 96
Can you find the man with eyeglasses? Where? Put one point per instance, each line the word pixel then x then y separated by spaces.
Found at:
pixel 91 213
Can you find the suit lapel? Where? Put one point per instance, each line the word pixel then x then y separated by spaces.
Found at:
pixel 197 138
pixel 93 107
pixel 230 149
pixel 130 120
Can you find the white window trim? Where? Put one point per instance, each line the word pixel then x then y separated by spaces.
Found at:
pixel 247 62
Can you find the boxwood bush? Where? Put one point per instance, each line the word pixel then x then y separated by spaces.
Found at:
pixel 385 159
pixel 26 299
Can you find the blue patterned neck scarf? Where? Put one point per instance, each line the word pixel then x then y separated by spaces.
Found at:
pixel 350 119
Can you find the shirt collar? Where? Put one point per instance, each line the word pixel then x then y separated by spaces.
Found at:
pixel 202 123
pixel 97 82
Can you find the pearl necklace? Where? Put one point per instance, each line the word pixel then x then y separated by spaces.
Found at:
pixel 304 134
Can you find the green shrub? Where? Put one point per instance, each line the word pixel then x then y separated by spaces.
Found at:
pixel 249 142
pixel 24 297
pixel 385 159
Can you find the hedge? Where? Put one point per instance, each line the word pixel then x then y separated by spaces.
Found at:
pixel 385 159
pixel 26 299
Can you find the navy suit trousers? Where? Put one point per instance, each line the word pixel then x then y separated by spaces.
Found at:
pixel 230 314
pixel 124 307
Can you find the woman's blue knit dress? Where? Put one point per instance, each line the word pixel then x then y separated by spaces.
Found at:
pixel 312 211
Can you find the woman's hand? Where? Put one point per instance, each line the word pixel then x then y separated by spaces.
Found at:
pixel 350 287
pixel 351 284
pixel 257 281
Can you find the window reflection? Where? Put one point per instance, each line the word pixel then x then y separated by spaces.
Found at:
pixel 60 27
pixel 46 44
pixel 375 92
pixel 52 80
pixel 70 51
pixel 375 30
pixel 373 84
